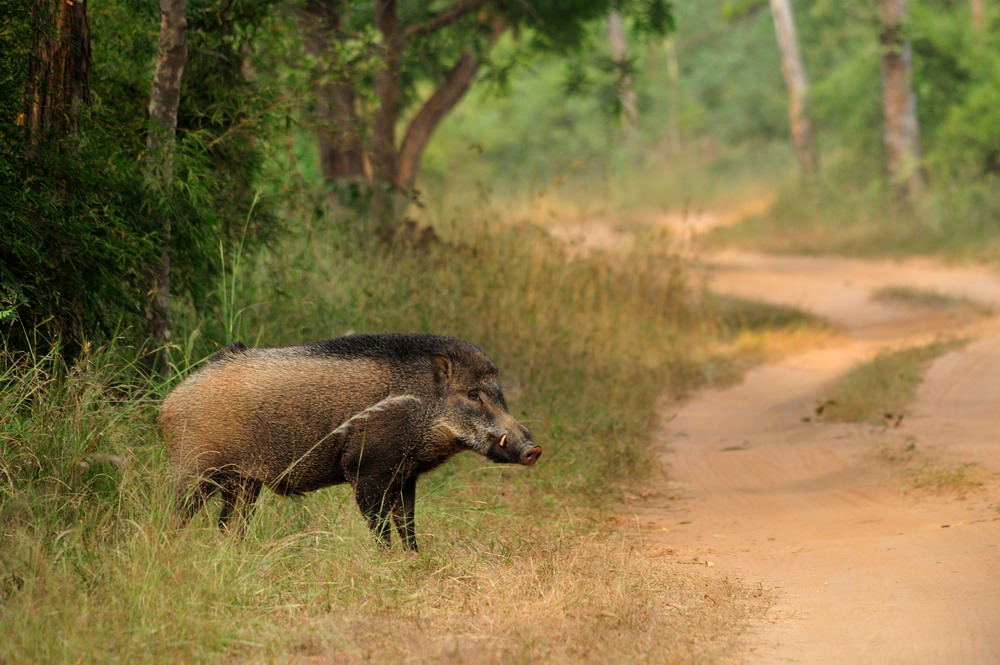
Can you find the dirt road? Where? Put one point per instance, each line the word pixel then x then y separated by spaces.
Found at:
pixel 865 569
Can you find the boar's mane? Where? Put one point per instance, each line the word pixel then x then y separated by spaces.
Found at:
pixel 403 347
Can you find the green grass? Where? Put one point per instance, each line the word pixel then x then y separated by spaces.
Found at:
pixel 879 390
pixel 926 299
pixel 518 565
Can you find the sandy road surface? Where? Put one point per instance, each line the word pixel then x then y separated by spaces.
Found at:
pixel 865 571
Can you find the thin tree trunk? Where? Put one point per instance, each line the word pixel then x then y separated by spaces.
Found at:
pixel 899 104
pixel 673 78
pixel 385 159
pixel 164 100
pixel 386 192
pixel 798 88
pixel 619 54
pixel 59 70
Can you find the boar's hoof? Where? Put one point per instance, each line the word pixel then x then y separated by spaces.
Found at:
pixel 531 455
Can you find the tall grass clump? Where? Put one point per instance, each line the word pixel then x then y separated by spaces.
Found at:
pixel 519 565
pixel 878 391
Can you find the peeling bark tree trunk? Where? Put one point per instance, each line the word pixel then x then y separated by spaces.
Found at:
pixel 619 54
pixel 899 104
pixel 798 88
pixel 164 100
pixel 59 70
pixel 339 129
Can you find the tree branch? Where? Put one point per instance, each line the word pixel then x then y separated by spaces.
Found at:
pixel 443 18
pixel 435 109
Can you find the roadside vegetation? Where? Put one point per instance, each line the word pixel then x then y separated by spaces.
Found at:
pixel 878 391
pixel 923 471
pixel 518 565
pixel 928 299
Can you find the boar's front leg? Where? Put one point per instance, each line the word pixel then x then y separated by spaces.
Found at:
pixel 375 498
pixel 403 511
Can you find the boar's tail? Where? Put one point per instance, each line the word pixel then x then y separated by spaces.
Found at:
pixel 389 402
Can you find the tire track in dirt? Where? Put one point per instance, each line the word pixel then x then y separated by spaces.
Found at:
pixel 865 572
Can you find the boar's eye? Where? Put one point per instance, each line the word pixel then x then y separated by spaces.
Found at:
pixel 475 396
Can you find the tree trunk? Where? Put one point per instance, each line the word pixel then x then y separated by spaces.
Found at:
pixel 389 168
pixel 59 69
pixel 619 54
pixel 385 159
pixel 430 116
pixel 435 109
pixel 978 8
pixel 899 104
pixel 56 86
pixel 339 129
pixel 798 89
pixel 673 77
pixel 164 100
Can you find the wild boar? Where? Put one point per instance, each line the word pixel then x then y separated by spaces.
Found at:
pixel 375 411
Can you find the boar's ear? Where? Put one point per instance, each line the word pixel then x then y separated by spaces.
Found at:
pixel 442 371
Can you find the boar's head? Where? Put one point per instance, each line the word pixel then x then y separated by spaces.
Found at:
pixel 475 412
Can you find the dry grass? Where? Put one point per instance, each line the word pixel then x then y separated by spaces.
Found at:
pixel 518 565
pixel 594 602
pixel 925 472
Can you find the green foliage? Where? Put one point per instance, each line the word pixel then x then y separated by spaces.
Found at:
pixel 77 214
pixel 565 25
pixel 15 44
pixel 956 74
pixel 730 71
pixel 76 242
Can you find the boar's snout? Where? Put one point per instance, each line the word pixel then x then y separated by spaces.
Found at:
pixel 530 454
pixel 514 447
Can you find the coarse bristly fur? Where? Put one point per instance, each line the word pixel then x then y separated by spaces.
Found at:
pixel 374 411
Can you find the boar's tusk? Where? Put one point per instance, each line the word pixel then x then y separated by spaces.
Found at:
pixel 503 441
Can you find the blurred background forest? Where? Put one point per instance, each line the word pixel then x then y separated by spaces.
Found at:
pixel 175 178
pixel 292 118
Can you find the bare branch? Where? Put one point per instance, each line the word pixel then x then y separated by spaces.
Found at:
pixel 443 18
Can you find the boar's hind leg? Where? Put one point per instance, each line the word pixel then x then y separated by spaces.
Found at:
pixel 238 496
pixel 190 497
pixel 403 513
